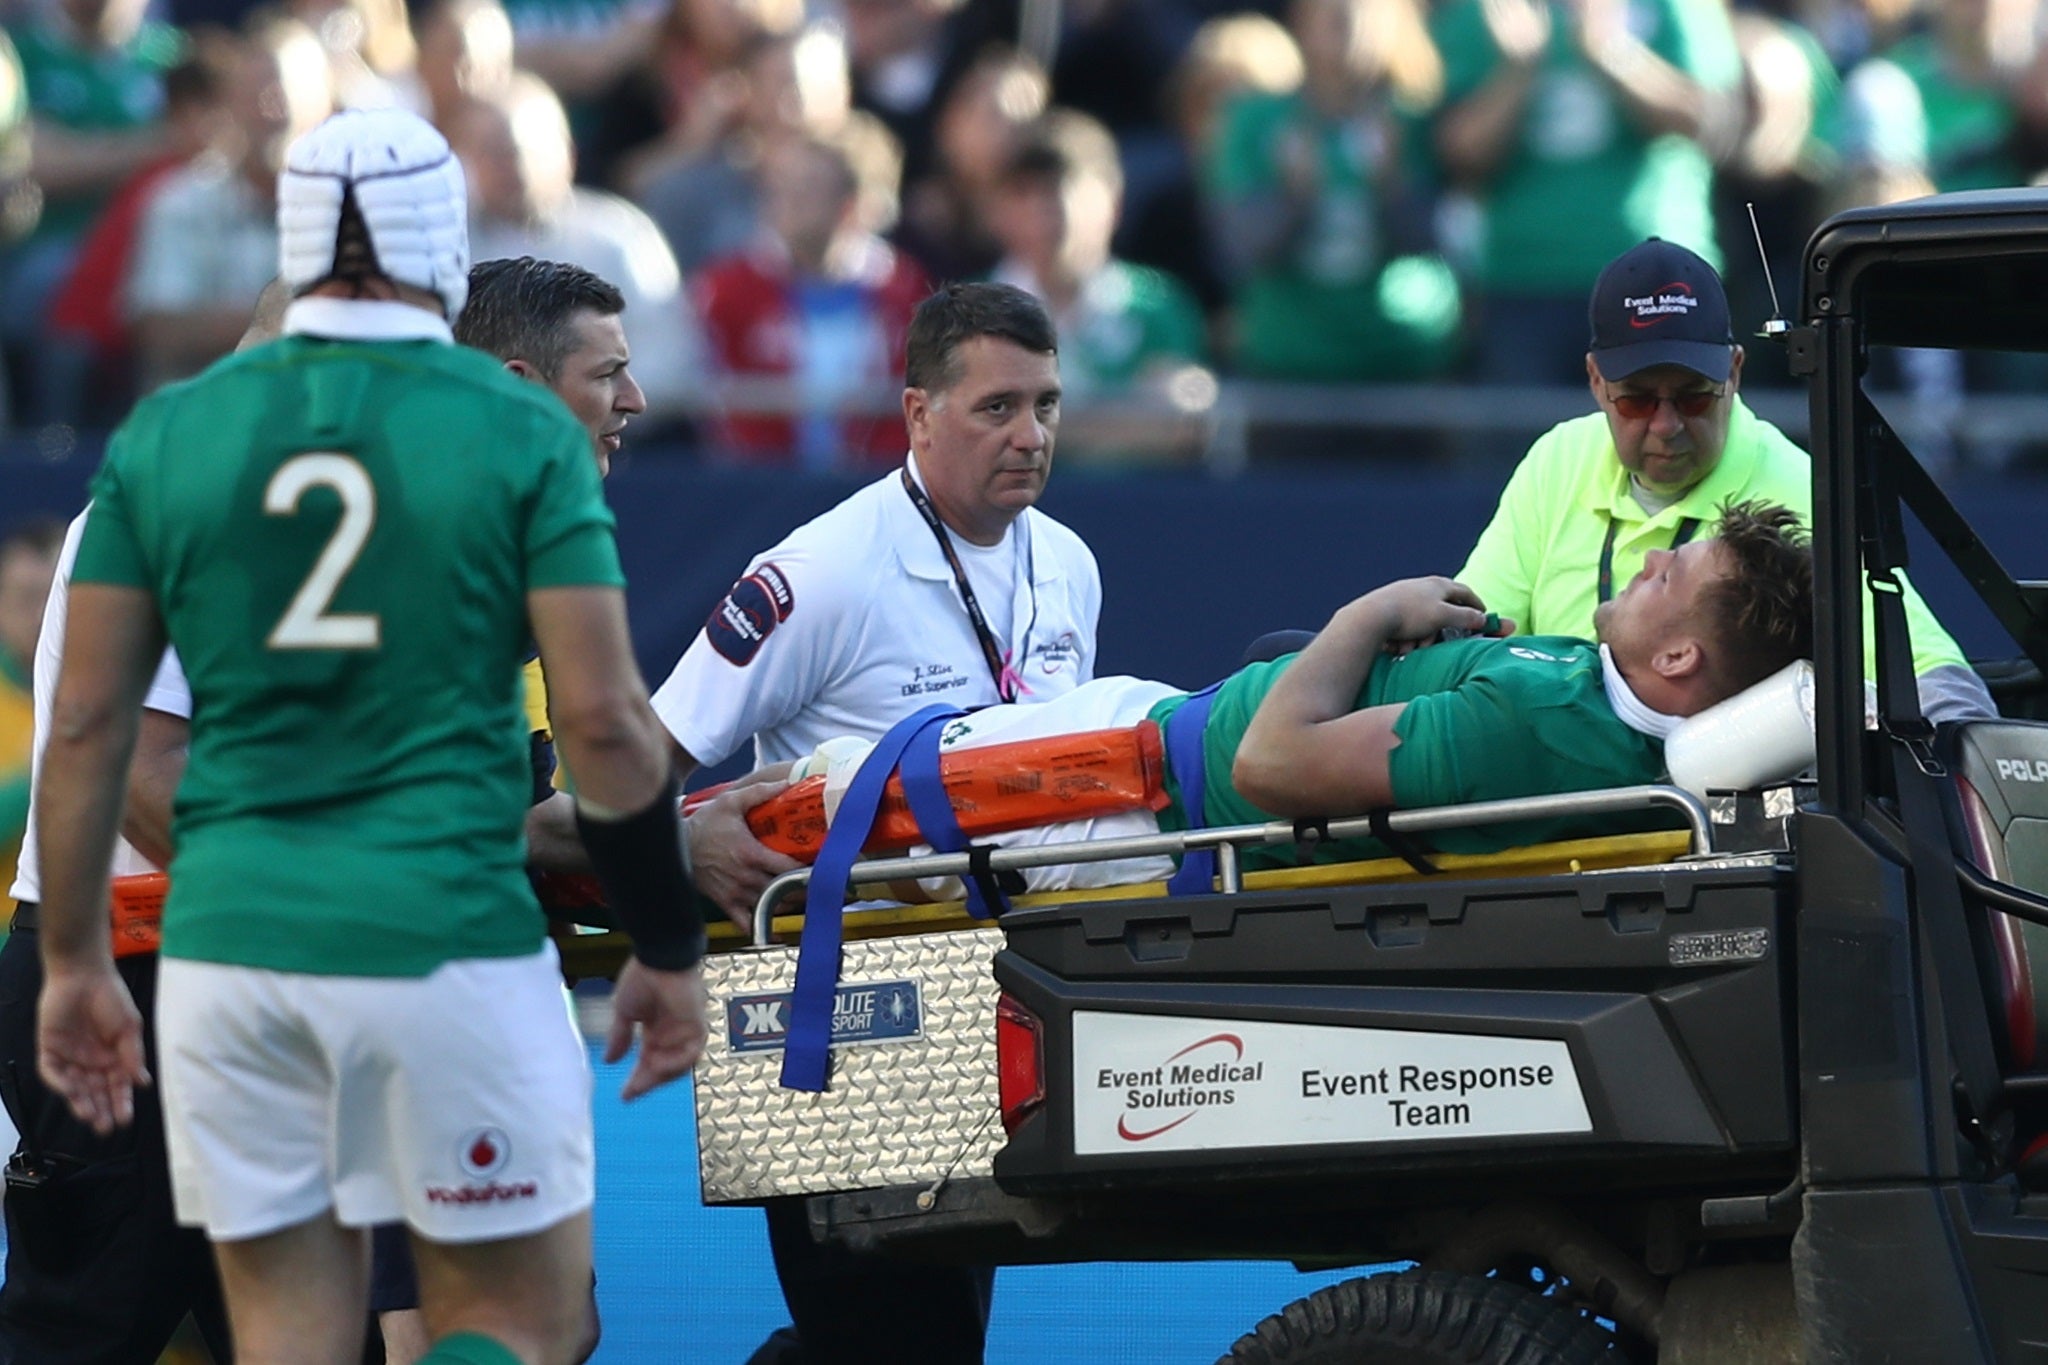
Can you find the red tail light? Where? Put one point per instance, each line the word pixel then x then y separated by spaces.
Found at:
pixel 1020 1061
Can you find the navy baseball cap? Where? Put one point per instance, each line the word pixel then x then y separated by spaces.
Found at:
pixel 1659 304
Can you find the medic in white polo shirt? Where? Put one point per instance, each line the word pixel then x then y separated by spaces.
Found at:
pixel 940 582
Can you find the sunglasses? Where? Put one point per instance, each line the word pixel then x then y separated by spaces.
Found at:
pixel 1637 407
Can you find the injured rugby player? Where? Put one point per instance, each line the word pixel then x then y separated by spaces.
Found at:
pixel 1382 710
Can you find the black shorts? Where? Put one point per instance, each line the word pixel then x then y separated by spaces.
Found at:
pixel 394 1284
pixel 97 1267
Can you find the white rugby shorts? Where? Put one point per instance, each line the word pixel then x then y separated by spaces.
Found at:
pixel 1104 704
pixel 457 1102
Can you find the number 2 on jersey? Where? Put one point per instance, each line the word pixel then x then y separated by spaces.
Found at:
pixel 306 623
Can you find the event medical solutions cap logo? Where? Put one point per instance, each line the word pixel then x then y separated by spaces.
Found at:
pixel 1660 304
pixel 1675 299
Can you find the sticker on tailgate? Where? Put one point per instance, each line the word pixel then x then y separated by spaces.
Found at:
pixel 862 1012
pixel 1158 1083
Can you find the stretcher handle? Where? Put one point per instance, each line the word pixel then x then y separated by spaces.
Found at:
pixel 136 909
pixel 1227 840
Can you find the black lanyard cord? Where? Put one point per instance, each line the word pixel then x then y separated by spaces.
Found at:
pixel 999 667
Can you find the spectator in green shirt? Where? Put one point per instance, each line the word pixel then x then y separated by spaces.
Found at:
pixel 1599 497
pixel 1580 127
pixel 94 74
pixel 1318 199
pixel 1968 66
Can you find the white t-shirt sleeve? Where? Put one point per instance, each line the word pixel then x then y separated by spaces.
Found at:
pixel 168 691
pixel 770 646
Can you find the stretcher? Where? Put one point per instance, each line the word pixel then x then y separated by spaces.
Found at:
pixel 915 1089
pixel 1004 786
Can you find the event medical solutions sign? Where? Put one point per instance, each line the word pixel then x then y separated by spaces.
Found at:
pixel 1162 1083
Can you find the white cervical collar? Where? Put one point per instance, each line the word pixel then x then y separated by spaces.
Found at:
pixel 1629 707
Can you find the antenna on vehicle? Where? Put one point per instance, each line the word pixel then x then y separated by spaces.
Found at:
pixel 1775 327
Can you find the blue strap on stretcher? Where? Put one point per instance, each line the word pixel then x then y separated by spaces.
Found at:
pixel 933 811
pixel 806 1051
pixel 1189 766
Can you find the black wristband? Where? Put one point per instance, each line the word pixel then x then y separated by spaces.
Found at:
pixel 639 862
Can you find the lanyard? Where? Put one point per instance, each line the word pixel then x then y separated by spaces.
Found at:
pixel 1000 665
pixel 1686 530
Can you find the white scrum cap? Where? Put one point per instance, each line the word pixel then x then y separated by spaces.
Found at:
pixel 408 187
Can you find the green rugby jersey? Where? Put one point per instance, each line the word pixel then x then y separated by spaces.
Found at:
pixel 340 536
pixel 1486 719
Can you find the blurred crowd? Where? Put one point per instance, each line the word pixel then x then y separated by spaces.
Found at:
pixel 1313 190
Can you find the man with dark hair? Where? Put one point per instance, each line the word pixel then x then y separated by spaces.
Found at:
pixel 352 961
pixel 524 308
pixel 1759 612
pixel 939 582
pixel 1372 714
pixel 528 200
pixel 960 313
pixel 558 324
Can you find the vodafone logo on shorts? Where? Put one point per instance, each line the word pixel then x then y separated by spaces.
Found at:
pixel 482 1154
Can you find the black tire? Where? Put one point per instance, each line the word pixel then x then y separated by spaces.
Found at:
pixel 1424 1317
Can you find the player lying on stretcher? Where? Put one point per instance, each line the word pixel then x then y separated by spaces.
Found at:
pixel 1372 715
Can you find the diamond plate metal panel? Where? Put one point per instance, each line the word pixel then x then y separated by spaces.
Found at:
pixel 896 1113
